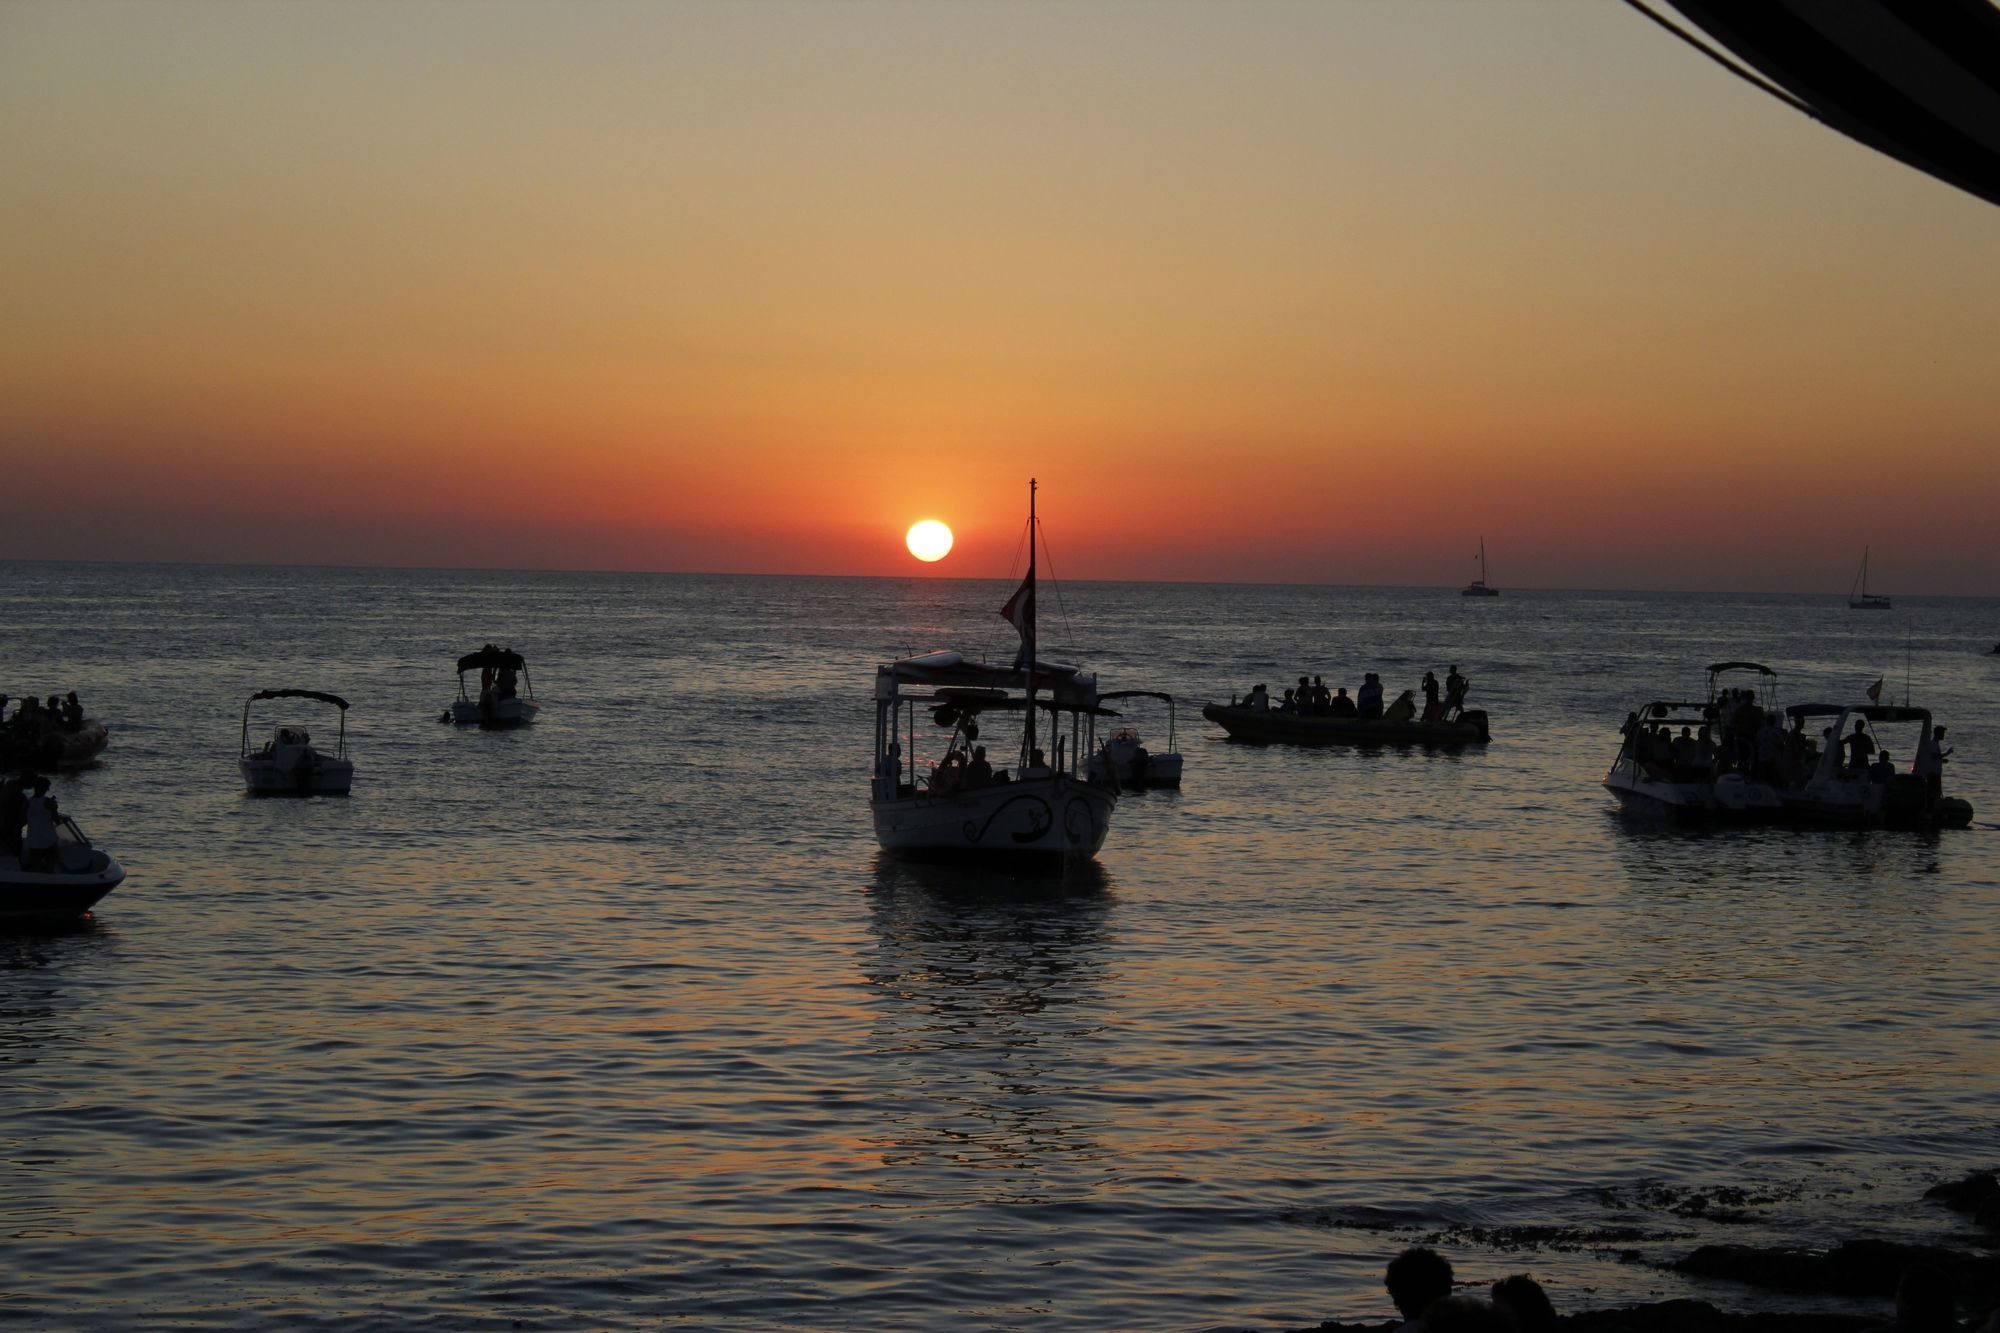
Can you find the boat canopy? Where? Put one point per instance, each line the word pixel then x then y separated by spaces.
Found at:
pixel 333 699
pixel 1161 695
pixel 1757 667
pixel 1873 712
pixel 1068 686
pixel 497 658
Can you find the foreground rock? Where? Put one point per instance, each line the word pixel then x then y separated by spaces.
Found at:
pixel 1668 1317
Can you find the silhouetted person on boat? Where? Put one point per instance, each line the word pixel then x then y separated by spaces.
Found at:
pixel 1340 705
pixel 1371 696
pixel 1290 703
pixel 889 771
pixel 1522 1302
pixel 1322 699
pixel 1259 698
pixel 1682 751
pixel 1883 771
pixel 38 842
pixel 72 712
pixel 1455 689
pixel 1433 711
pixel 1417 1279
pixel 1704 752
pixel 13 811
pixel 1038 766
pixel 979 773
pixel 1929 764
pixel 1631 727
pixel 1859 748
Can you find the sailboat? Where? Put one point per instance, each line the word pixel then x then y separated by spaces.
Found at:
pixel 1478 587
pixel 1858 596
pixel 962 807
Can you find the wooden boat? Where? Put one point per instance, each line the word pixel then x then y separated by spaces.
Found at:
pixel 1269 726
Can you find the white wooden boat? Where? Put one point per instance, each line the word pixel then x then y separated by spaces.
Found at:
pixel 1044 807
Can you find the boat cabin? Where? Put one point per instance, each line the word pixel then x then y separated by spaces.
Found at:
pixel 931 710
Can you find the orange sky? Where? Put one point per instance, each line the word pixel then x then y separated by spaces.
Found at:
pixel 1285 292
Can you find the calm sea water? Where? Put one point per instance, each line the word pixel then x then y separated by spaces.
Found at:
pixel 622 1021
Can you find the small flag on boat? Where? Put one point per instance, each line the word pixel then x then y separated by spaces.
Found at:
pixel 1020 613
pixel 1875 691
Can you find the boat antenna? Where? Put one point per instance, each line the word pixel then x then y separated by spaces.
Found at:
pixel 1908 634
pixel 1028 625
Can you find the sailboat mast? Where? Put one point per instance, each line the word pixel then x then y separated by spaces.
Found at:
pixel 1482 558
pixel 1029 635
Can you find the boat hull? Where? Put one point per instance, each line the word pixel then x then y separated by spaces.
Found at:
pixel 1156 770
pixel 57 751
pixel 63 895
pixel 1727 797
pixel 265 776
pixel 515 712
pixel 1032 820
pixel 1269 727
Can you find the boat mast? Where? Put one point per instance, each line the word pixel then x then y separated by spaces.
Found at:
pixel 1028 627
pixel 1482 559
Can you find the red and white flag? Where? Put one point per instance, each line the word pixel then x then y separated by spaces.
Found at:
pixel 1020 613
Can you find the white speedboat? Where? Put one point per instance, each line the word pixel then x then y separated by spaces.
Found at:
pixel 499 702
pixel 64 890
pixel 288 764
pixel 1837 794
pixel 1665 767
pixel 1045 807
pixel 1124 755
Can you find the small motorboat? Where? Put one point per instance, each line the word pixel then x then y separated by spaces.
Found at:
pixel 45 740
pixel 1846 797
pixel 1124 755
pixel 499 702
pixel 1273 726
pixel 288 764
pixel 64 890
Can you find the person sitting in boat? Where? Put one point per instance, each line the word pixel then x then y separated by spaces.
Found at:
pixel 1683 751
pixel 1883 771
pixel 1860 747
pixel 1259 698
pixel 1290 704
pixel 1433 711
pixel 889 771
pixel 506 682
pixel 949 775
pixel 72 713
pixel 1038 765
pixel 1340 705
pixel 1704 751
pixel 979 773
pixel 1370 699
pixel 1631 727
pixel 1403 709
pixel 38 842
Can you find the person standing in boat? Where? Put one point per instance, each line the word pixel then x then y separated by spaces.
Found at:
pixel 1371 696
pixel 1860 747
pixel 13 810
pixel 38 842
pixel 1432 711
pixel 1929 764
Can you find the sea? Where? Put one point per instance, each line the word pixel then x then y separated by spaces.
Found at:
pixel 623 1021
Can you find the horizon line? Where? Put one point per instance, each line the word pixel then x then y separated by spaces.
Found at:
pixel 950 578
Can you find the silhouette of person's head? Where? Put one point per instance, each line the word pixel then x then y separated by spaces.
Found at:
pixel 1416 1279
pixel 1342 691
pixel 1526 1306
pixel 1857 726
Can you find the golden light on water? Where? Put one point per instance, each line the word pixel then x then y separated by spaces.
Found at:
pixel 929 540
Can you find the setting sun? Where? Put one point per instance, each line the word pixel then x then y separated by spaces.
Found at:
pixel 929 540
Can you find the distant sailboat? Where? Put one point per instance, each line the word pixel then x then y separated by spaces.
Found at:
pixel 1478 587
pixel 1858 596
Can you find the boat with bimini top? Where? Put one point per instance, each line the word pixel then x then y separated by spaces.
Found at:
pixel 288 764
pixel 1123 755
pixel 499 703
pixel 1712 767
pixel 1855 783
pixel 960 806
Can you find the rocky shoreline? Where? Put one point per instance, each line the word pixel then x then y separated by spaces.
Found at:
pixel 1854 1271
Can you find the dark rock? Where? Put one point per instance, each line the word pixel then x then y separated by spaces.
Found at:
pixel 1978 1194
pixel 1862 1268
pixel 1685 1316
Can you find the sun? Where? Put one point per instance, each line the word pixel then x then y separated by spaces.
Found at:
pixel 929 540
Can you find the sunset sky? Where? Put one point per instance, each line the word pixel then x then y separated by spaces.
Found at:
pixel 1289 292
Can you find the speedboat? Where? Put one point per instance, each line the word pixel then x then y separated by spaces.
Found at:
pixel 1649 774
pixel 499 702
pixel 63 891
pixel 1849 798
pixel 1123 755
pixel 960 807
pixel 287 764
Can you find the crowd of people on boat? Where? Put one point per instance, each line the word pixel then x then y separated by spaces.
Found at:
pixel 33 719
pixel 1738 735
pixel 1311 698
